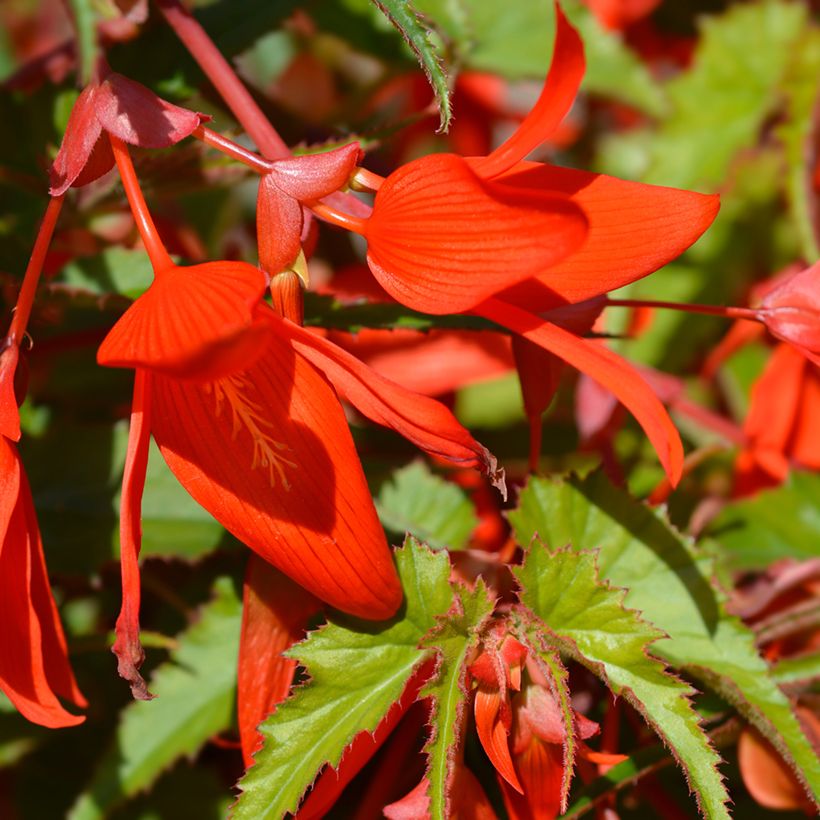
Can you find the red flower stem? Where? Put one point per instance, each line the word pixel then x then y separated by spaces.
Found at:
pixel 232 149
pixel 150 237
pixel 25 299
pixel 367 180
pixel 709 310
pixel 330 214
pixel 219 72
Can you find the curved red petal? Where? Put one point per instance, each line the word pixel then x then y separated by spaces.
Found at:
pixel 9 412
pixel 314 176
pixel 275 612
pixel 136 115
pixel 279 221
pixel 441 240
pixel 269 454
pixel 195 322
pixel 634 229
pixel 560 88
pixel 541 766
pixel 81 135
pixel 493 735
pixel 607 369
pixel 422 420
pixel 34 665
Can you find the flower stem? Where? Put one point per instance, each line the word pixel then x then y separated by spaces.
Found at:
pixel 219 72
pixel 150 237
pixel 25 298
pixel 365 180
pixel 343 220
pixel 709 310
pixel 232 149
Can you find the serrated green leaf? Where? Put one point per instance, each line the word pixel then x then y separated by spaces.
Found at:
pixel 423 504
pixel 357 669
pixel 405 18
pixel 802 87
pixel 783 522
pixel 720 104
pixel 195 693
pixel 454 640
pixel 671 585
pixel 588 619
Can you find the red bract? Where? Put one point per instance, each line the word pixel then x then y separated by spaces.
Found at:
pixel 125 109
pixel 34 668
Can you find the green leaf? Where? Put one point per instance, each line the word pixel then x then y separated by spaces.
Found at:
pixel 357 670
pixel 587 618
pixel 720 104
pixel 405 18
pixel 454 640
pixel 801 669
pixel 783 522
pixel 425 505
pixel 670 583
pixel 115 270
pixel 85 24
pixel 195 693
pixel 797 132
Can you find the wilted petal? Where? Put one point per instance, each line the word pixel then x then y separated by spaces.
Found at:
pixel 608 369
pixel 196 322
pixel 634 229
pixel 314 176
pixel 269 454
pixel 425 422
pixel 564 77
pixel 34 666
pixel 441 239
pixel 275 612
pixel 136 115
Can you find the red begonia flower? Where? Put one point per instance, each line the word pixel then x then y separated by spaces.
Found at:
pixel 467 799
pixel 280 216
pixel 124 108
pixel 618 14
pixel 34 668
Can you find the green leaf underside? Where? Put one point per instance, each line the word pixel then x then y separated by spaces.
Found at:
pixel 783 522
pixel 195 692
pixel 670 585
pixel 587 619
pixel 358 670
pixel 405 18
pixel 435 511
pixel 454 639
pixel 721 103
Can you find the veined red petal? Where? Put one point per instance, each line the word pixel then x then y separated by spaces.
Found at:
pixel 136 115
pixel 422 420
pixel 81 134
pixel 269 454
pixel 605 367
pixel 314 176
pixel 441 239
pixel 560 88
pixel 541 766
pixel 634 229
pixel 127 646
pixel 279 220
pixel 493 734
pixel 34 666
pixel 195 322
pixel 275 612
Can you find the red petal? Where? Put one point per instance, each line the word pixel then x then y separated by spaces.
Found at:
pixel 634 229
pixel 274 615
pixel 127 646
pixel 314 176
pixel 81 134
pixel 493 735
pixel 791 311
pixel 279 223
pixel 197 322
pixel 332 783
pixel 564 77
pixel 34 665
pixel 269 454
pixel 441 239
pixel 135 114
pixel 605 367
pixel 805 439
pixel 9 413
pixel 541 766
pixel 425 422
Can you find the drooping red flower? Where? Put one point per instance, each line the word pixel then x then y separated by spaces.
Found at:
pixel 131 112
pixel 34 667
